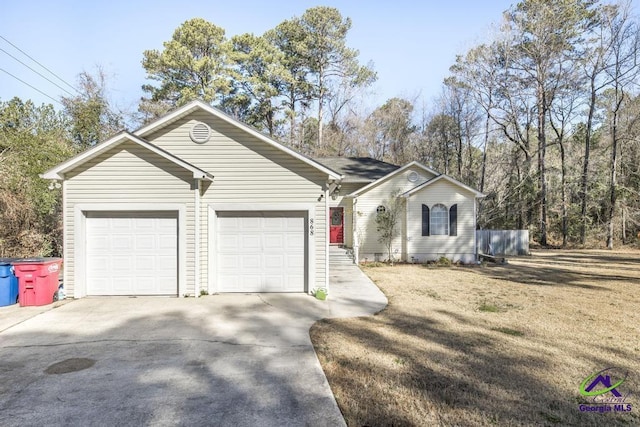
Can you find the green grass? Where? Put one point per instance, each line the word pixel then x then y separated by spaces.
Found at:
pixel 489 308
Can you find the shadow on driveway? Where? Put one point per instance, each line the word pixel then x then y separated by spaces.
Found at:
pixel 219 360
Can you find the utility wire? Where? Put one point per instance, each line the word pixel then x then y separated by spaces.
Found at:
pixel 37 72
pixel 31 58
pixel 32 87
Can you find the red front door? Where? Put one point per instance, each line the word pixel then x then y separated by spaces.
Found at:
pixel 336 225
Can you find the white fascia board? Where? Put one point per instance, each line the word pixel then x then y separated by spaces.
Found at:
pixel 391 174
pixel 194 105
pixel 411 192
pixel 59 171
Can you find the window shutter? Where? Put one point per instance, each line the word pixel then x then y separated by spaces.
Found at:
pixel 425 220
pixel 453 220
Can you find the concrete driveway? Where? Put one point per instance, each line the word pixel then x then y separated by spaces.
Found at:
pixel 219 360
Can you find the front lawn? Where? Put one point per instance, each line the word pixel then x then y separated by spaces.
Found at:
pixel 493 345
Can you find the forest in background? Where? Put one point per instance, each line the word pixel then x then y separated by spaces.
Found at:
pixel 542 117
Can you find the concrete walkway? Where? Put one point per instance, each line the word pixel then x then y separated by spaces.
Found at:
pixel 219 360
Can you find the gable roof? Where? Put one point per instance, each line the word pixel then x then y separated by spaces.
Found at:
pixel 391 174
pixel 59 171
pixel 358 169
pixel 440 178
pixel 199 105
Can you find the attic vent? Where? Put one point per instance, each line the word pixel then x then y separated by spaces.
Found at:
pixel 413 176
pixel 200 133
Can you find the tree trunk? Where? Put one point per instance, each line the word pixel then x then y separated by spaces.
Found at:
pixel 320 105
pixel 585 166
pixel 484 152
pixel 563 166
pixel 614 170
pixel 292 121
pixel 459 150
pixel 624 225
pixel 542 152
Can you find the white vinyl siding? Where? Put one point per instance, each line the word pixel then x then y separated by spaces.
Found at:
pixel 365 212
pixel 246 171
pixel 125 174
pixel 458 248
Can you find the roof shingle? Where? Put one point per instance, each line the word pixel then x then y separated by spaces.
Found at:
pixel 358 169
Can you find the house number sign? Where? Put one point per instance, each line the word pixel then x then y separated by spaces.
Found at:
pixel 311 227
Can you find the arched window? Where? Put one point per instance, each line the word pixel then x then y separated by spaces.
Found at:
pixel 439 220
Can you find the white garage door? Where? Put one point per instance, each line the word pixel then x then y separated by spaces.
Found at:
pixel 132 253
pixel 261 251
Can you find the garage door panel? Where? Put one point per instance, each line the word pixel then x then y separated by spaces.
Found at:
pixel 273 241
pixel 274 224
pixel 250 223
pixel 250 242
pixel 293 242
pixel 145 285
pixel 166 263
pixel 145 242
pixel 295 262
pixel 132 253
pixel 122 242
pixel 275 282
pixel 100 285
pixel 228 262
pixel 250 262
pixel 167 242
pixel 122 285
pixel 228 243
pixel 145 264
pixel 122 225
pixel 260 251
pixel 274 261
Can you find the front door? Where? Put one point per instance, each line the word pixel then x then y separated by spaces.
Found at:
pixel 336 227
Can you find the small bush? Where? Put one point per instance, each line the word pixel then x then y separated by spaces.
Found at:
pixel 373 264
pixel 443 261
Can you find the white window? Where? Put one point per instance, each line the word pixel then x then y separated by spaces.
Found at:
pixel 439 220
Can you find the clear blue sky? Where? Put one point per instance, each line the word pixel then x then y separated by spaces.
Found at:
pixel 411 43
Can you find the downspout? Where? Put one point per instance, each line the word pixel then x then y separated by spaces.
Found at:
pixel 65 245
pixel 196 243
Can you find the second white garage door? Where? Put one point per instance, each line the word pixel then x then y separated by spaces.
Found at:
pixel 260 251
pixel 132 253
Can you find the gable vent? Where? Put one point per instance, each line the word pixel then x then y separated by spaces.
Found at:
pixel 200 133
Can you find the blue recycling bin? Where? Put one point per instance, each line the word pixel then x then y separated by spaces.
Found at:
pixel 8 284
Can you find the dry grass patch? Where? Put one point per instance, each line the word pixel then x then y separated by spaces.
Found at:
pixel 434 356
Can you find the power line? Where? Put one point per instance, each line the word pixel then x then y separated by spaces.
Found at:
pixel 37 72
pixel 34 60
pixel 32 87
